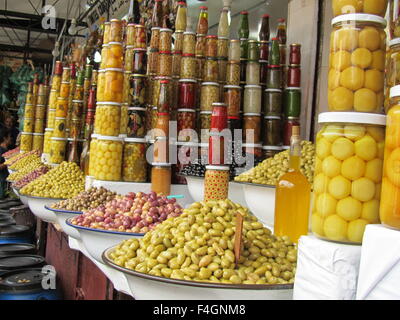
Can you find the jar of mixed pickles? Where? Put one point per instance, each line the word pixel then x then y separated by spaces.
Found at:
pixel 216 183
pixel 114 79
pixel 58 147
pixel 134 165
pixel 139 61
pixel 176 63
pixel 358 44
pixel 178 42
pixel 392 69
pixel 101 83
pixel 186 121
pixel 114 57
pixel 51 115
pixel 60 127
pixel 108 158
pixel 200 48
pixel 165 64
pixel 161 178
pixel 137 90
pixel 273 102
pixel 130 34
pixel 108 119
pixel 234 50
pixel 48 134
pixel 188 66
pixel 40 112
pixel 209 95
pixel 211 48
pixel 211 70
pixel 252 99
pixel 62 108
pixel 29 124
pixel 115 33
pixel 270 151
pixel 64 90
pixel 272 131
pixel 376 7
pixel 232 98
pixel 348 175
pixel 165 43
pixel 37 141
pixel 252 127
pixel 187 94
pixel 152 61
pixel 233 73
pixel 223 47
pixel 189 42
pixel 155 38
pixel 136 122
pixel 26 141
pixel 39 126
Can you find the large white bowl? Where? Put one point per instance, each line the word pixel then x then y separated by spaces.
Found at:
pixel 147 287
pixel 37 206
pixel 15 191
pixel 24 199
pixel 62 216
pixel 96 241
pixel 260 199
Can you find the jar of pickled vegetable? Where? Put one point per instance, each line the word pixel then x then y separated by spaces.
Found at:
pixel 394 21
pixel 141 38
pixel 40 112
pixel 29 124
pixel 165 64
pixel 292 102
pixel 252 127
pixel 201 61
pixel 26 141
pixel 136 122
pixel 223 47
pixel 176 63
pixel 51 115
pixel 37 141
pixel 205 125
pixel 356 76
pixel 187 94
pixel 39 126
pixel 209 95
pixel 189 66
pixel 273 102
pixel 392 69
pixel 222 67
pixel 211 48
pixel 234 50
pixel 101 84
pixel 270 151
pixel 216 183
pixel 114 79
pixel 178 43
pixel 29 111
pixel 253 73
pixel 62 107
pixel 56 83
pixel 58 148
pixel 155 38
pixel 274 77
pixel 64 90
pixel 252 99
pixel 161 178
pixel 210 71
pixel 48 134
pixel 107 164
pixel 165 43
pixel 41 100
pixel 108 119
pixel 200 48
pixel 114 57
pixel 233 73
pixel 59 127
pixel 152 61
pixel 139 61
pixel 123 127
pixel 130 34
pixel 134 165
pixel 186 124
pixel 232 98
pixel 189 42
pixel 348 175
pixel 272 131
pixel 376 7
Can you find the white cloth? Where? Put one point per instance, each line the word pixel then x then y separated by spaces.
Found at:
pixel 379 277
pixel 326 270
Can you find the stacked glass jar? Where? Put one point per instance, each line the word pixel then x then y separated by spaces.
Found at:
pixel 29 116
pixel 40 119
pixel 351 145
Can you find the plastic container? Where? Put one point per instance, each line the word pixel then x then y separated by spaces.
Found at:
pixel 216 183
pixel 358 42
pixel 375 7
pixel 108 119
pixel 107 163
pixel 134 164
pixel 348 175
pixel 161 178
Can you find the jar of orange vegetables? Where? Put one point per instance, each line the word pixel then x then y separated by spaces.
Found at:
pixel 161 178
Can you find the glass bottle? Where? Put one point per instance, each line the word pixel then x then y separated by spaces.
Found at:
pixel 274 54
pixel 223 26
pixel 292 199
pixel 244 30
pixel 202 24
pixel 89 126
pixel 181 17
pixel 264 30
pixel 157 17
pixel 281 31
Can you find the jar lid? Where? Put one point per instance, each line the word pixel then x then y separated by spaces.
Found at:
pixel 136 109
pixel 128 72
pixel 293 88
pixel 395 91
pixel 188 55
pixel 201 35
pixel 137 140
pixel 29 104
pixel 114 69
pixel 165 52
pixel 164 138
pixel 223 38
pixel 140 49
pixel 123 136
pixel 276 148
pixel 48 129
pixel 219 104
pixel 27 133
pixel 293 118
pixel 61 98
pixel 210 84
pixel 232 87
pixel 394 42
pixel 252 86
pixel 251 114
pixel 166 30
pixel 52 110
pixel 285 147
pixel 244 12
pixel 188 80
pixel 77 140
pixel 58 139
pixel 155 28
pixel 94 135
pixel 136 75
pixel 233 118
pixel 211 36
pixel 219 168
pixel 101 70
pixel 263 61
pixel 186 110
pixel 189 33
pixel 251 145
pixel 110 103
pixel 352 117
pixel 205 112
pixel 273 90
pixel 38 134
pixel 272 118
pixel 60 118
pixel 160 164
pixel 109 138
pixel 80 101
pixel 115 43
pixel 359 17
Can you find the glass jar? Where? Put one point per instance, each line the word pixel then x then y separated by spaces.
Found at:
pixel 41 100
pixel 274 77
pixel 92 160
pixel 29 111
pixel 161 178
pixel 234 50
pixel 223 25
pixel 108 119
pixel 178 43
pixel 223 47
pixel 101 84
pixel 188 67
pixel 234 123
pixel 392 68
pixel 29 124
pixel 187 94
pixel 66 75
pixel 64 90
pixel 165 43
pixel 252 99
pixel 165 64
pixel 114 56
pixel 353 82
pixel 232 98
pixel 376 7
pixel 53 99
pixel 288 125
pixel 209 95
pixel 40 112
pixel 141 39
pixel 152 62
pixel 292 102
pixel 134 165
pixel 136 122
pixel 222 68
pixel 219 117
pixel 211 48
pixel 186 121
pixel 253 73
pixel 270 151
pixel 176 63
pixel 216 183
pixel 51 115
pixel 210 71
pixel 56 83
pixel 26 141
pixel 58 148
pixel 252 127
pixel 139 61
pixel 201 61
pixel 108 158
pixel 273 102
pixel 162 124
pixel 39 126
pixel 130 34
pixel 272 131
pixel 264 50
pixel 233 73
pixel 114 79
pixel 124 119
pixel 62 107
pixel 137 91
pixel 294 76
pixel 115 30
pixel 348 175
pixel 200 48
pixel 75 128
pixel 189 42
pixel 30 98
pixel 48 134
pixel 59 127
pixel 155 38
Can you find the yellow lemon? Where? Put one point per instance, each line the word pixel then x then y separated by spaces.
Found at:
pixel 332 132
pixel 361 58
pixel 377 133
pixel 349 209
pixel 370 38
pixel 323 148
pixel 333 79
pixel 393 128
pixel 342 148
pixel 342 59
pixel 352 78
pixel 366 148
pixel 326 204
pixel 346 6
pixel 353 168
pixel 373 170
pixel 365 100
pixel 339 187
pixel 377 7
pixel 378 60
pixel 355 132
pixel 331 166
pixel 355 230
pixel 345 39
pixel 370 211
pixel 390 204
pixel 317 224
pixel 393 167
pixel 374 80
pixel 341 99
pixel 321 183
pixel 335 228
pixel 363 189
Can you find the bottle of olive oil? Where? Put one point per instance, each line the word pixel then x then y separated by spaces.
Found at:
pixel 292 198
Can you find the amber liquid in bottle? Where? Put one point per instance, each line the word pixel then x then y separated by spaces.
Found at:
pixel 292 199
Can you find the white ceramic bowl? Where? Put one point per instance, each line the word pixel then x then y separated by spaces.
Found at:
pixel 37 206
pixel 96 241
pixel 147 287
pixel 24 199
pixel 260 199
pixel 15 191
pixel 62 216
pixel 10 171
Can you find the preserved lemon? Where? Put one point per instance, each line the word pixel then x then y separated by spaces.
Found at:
pixel 339 187
pixel 333 79
pixel 366 148
pixel 342 148
pixel 378 60
pixel 361 58
pixel 332 132
pixel 365 100
pixel 335 228
pixel 331 166
pixel 341 99
pixel 370 39
pixel 349 209
pixel 317 224
pixel 326 204
pixel 355 230
pixel 370 211
pixel 354 133
pixel 345 39
pixel 377 133
pixel 374 80
pixel 342 60
pixel 324 148
pixel 373 170
pixel 321 183
pixel 363 189
pixel 352 78
pixel 353 168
